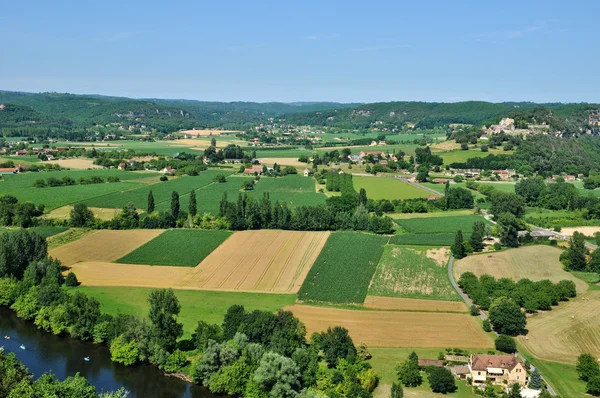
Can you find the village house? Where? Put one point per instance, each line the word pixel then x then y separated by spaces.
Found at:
pixel 168 170
pixel 254 169
pixel 570 178
pixel 306 172
pixel 21 152
pixel 460 371
pixel 122 166
pixel 497 369
pixel 505 174
pixel 8 170
pixel 440 180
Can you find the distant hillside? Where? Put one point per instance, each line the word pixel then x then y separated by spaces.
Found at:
pixel 571 118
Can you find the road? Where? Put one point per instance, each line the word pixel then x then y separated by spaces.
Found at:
pixel 484 317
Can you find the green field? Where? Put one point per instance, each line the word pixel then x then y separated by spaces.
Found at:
pixel 387 188
pixel 409 273
pixel 161 191
pixel 282 153
pixel 432 225
pixel 445 239
pixel 177 247
pixel 344 268
pixel 21 186
pixel 435 214
pixel 295 190
pixel 46 232
pixel 196 305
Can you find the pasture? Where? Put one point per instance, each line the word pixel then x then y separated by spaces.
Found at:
pixel 433 225
pixel 436 214
pixel 387 188
pixel 46 232
pixel 63 213
pixel 536 262
pixel 419 273
pixel 103 245
pixel 567 331
pixel 160 190
pixel 408 304
pixel 196 305
pixel 177 247
pixel 343 270
pixel 446 239
pixel 21 186
pixel 397 329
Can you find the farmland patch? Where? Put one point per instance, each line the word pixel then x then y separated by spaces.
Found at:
pixel 397 329
pixel 178 247
pixel 413 273
pixel 103 245
pixel 344 268
pixel 533 262
pixel 432 225
pixel 408 304
pixel 387 188
pixel 446 239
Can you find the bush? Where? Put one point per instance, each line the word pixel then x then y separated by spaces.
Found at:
pixel 475 310
pixel 506 344
pixel 71 280
pixel 175 362
pixel 164 178
pixel 441 380
pixel 487 326
pixel 220 178
pixel 125 353
pixel 397 391
pixel 248 185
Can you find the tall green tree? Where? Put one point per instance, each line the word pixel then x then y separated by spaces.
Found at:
pixel 506 317
pixel 446 195
pixel 193 204
pixel 164 309
pixel 175 205
pixel 150 207
pixel 397 390
pixel 458 247
pixel 587 367
pixel 441 380
pixel 535 380
pixel 509 230
pixel 409 374
pixel 575 256
pixel 514 391
pixel 362 197
pixel 477 236
pixel 81 216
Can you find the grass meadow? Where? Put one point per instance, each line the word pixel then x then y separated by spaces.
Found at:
pixel 388 188
pixel 413 272
pixel 433 225
pixel 177 247
pixel 344 268
pixel 445 239
pixel 46 232
pixel 196 305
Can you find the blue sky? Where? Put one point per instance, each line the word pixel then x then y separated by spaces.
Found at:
pixel 348 51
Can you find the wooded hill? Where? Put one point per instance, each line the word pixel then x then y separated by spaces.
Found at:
pixel 71 116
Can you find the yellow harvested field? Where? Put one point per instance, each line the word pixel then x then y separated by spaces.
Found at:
pixel 62 213
pixel 103 246
pixel 76 163
pixel 406 304
pixel 587 231
pixel 397 329
pixel 266 261
pixel 203 133
pixel 254 261
pixel 571 329
pixel 282 162
pixel 532 262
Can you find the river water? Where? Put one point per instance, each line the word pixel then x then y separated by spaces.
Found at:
pixel 63 356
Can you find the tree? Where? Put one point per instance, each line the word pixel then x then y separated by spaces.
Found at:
pixel 124 352
pixel 220 178
pixel 193 204
pixel 336 343
pixel 409 374
pixel 514 391
pixel 81 216
pixel 278 376
pixel 362 197
pixel 477 236
pixel 234 318
pixel 593 386
pixel 506 202
pixel 506 344
pixel 535 380
pixel 71 280
pixel 397 390
pixel 594 264
pixel 441 380
pixel 458 248
pixel 175 205
pixel 248 185
pixel 150 206
pixel 82 313
pixel 574 258
pixel 164 308
pixel 18 249
pixel 508 230
pixel 587 367
pixel 531 189
pixel 506 317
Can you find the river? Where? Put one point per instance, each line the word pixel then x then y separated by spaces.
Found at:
pixel 63 356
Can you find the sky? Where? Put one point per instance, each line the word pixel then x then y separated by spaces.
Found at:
pixel 345 51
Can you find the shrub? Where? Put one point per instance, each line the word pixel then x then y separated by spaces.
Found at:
pixel 475 310
pixel 506 344
pixel 487 326
pixel 164 178
pixel 441 380
pixel 71 280
pixel 125 353
pixel 175 362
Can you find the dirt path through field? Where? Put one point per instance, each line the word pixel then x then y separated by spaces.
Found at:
pixel 406 304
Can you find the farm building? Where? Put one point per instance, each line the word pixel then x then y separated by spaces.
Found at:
pixel 168 170
pixel 497 369
pixel 122 166
pixel 8 170
pixel 254 169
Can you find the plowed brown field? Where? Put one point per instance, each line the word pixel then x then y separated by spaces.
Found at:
pixel 397 329
pixel 103 246
pixel 407 304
